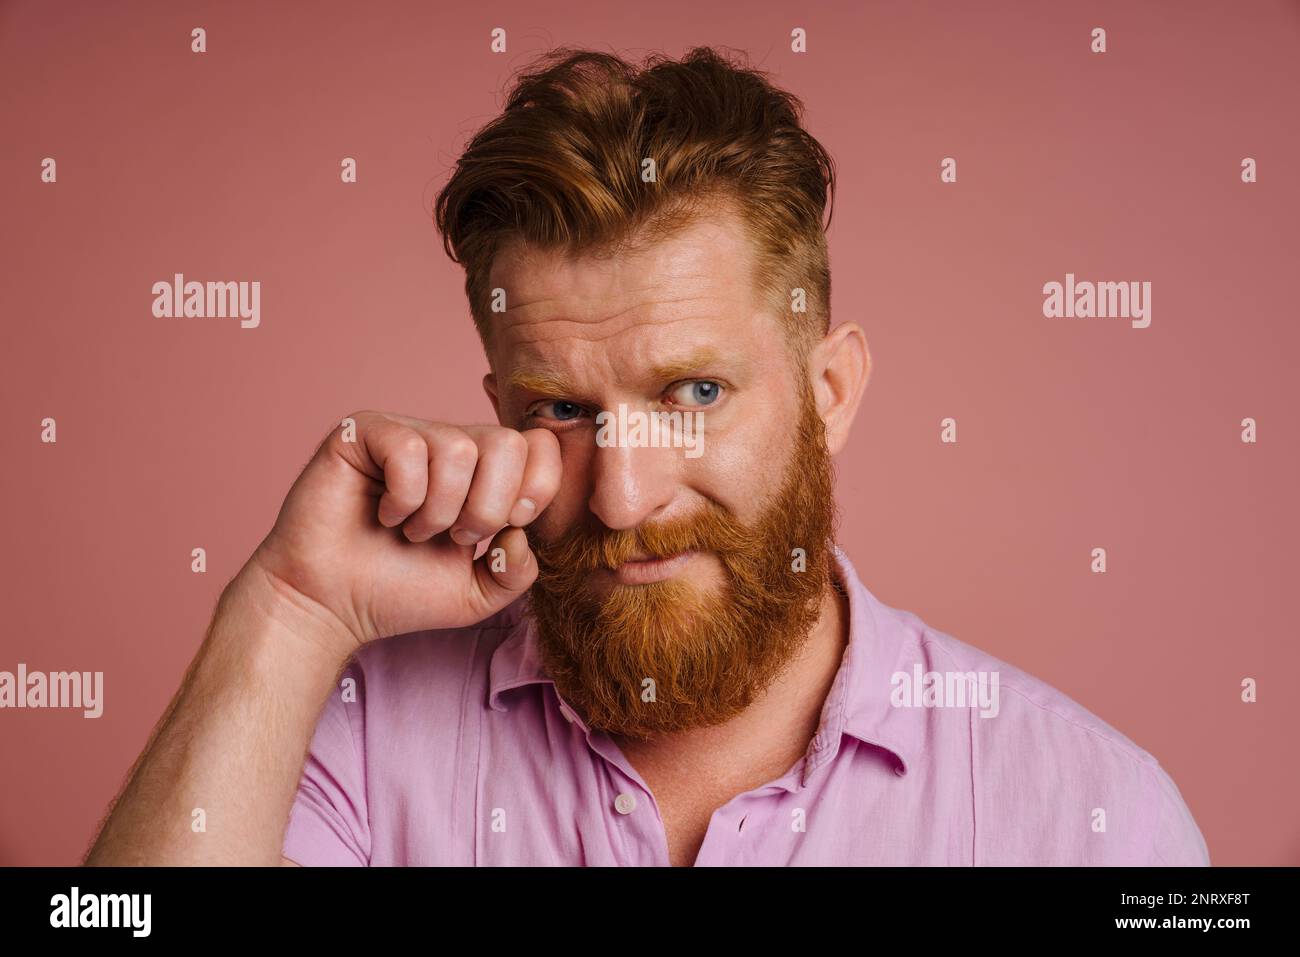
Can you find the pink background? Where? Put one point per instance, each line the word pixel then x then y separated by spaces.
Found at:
pixel 1073 434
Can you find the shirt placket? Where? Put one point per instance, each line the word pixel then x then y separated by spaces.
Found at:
pixel 630 809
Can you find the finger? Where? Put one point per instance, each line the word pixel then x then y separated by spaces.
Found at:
pixel 500 468
pixel 541 480
pixel 453 456
pixel 402 455
pixel 504 572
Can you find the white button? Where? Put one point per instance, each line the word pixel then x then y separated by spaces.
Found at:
pixel 625 803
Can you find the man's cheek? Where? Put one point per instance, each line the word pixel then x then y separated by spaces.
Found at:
pixel 740 484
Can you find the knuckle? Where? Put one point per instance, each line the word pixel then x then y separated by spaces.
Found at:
pixel 412 444
pixel 503 441
pixel 460 451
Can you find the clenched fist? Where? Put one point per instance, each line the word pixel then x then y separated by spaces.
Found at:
pixel 377 536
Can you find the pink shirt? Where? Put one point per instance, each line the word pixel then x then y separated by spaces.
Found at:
pixel 458 751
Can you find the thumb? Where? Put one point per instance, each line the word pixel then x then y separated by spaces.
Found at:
pixel 504 572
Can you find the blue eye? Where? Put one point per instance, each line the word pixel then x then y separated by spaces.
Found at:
pixel 563 411
pixel 701 392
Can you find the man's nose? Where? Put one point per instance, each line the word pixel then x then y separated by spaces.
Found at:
pixel 631 484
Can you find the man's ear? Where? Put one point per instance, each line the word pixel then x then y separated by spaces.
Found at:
pixel 490 387
pixel 839 367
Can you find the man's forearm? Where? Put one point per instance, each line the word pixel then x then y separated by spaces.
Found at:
pixel 233 740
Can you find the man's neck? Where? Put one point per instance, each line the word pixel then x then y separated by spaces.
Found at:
pixel 764 740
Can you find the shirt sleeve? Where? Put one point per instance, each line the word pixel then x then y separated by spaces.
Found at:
pixel 329 823
pixel 1176 840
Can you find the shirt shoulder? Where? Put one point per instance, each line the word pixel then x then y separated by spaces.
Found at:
pixel 1051 782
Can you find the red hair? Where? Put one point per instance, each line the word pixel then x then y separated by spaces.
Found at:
pixel 561 167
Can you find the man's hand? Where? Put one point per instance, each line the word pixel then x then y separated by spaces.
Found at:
pixel 377 536
pixel 361 550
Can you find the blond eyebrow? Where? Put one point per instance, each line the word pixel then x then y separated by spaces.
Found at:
pixel 543 383
pixel 680 369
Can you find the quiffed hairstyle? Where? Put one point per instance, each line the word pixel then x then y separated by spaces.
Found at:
pixel 561 167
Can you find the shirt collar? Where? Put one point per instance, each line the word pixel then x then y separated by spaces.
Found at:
pixel 880 645
pixel 858 703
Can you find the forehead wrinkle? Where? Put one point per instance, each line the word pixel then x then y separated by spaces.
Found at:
pixel 709 306
pixel 626 327
pixel 660 274
pixel 522 320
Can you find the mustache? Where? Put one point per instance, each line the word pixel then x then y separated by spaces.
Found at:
pixel 586 547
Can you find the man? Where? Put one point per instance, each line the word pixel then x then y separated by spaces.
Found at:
pixel 659 655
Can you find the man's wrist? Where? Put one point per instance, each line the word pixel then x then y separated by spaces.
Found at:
pixel 257 600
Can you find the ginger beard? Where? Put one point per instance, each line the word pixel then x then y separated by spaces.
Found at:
pixel 709 650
